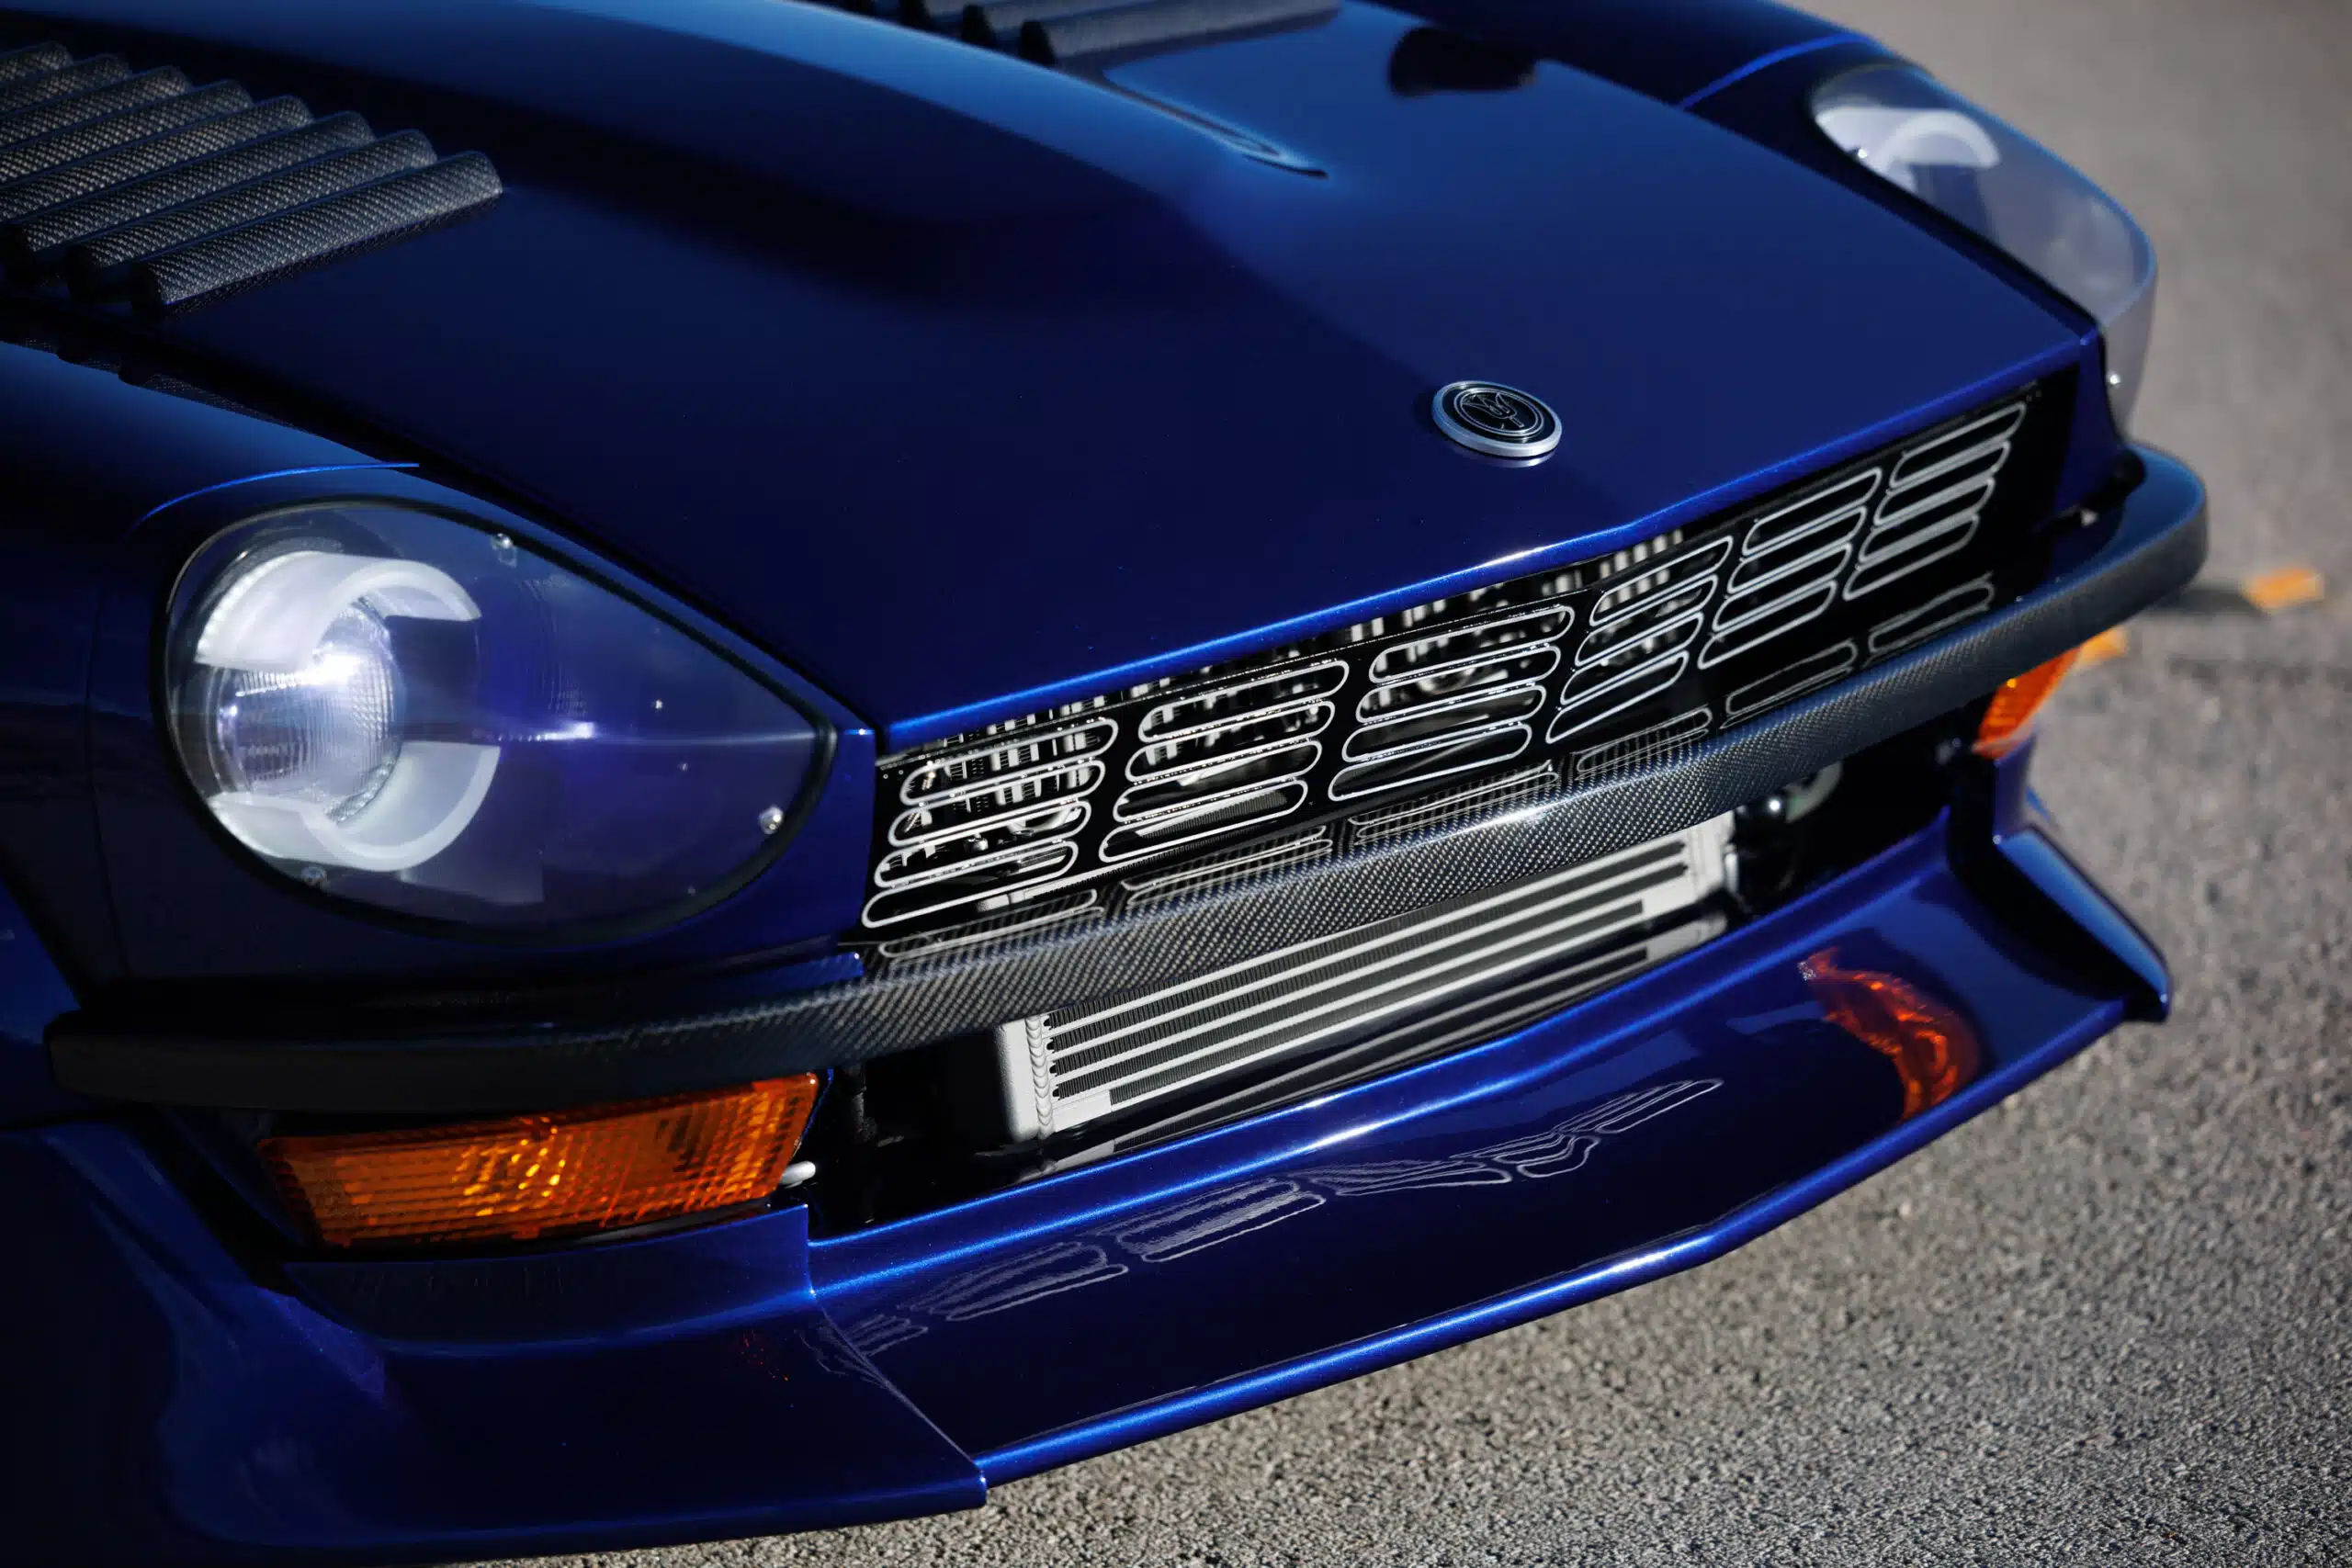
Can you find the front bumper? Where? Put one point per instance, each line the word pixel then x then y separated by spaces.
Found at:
pixel 176 1392
pixel 2147 544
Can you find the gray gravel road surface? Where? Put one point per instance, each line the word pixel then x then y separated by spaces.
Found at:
pixel 2109 1322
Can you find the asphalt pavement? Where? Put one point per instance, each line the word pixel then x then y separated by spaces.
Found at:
pixel 2110 1321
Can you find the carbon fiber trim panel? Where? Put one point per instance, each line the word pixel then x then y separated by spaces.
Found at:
pixel 390 209
pixel 75 142
pixel 2145 547
pixel 48 119
pixel 23 64
pixel 139 183
pixel 105 259
pixel 39 241
pixel 83 177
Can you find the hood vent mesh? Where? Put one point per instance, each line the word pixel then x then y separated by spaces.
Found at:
pixel 1092 34
pixel 142 186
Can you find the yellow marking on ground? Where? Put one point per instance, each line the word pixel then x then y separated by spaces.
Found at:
pixel 2286 589
pixel 2112 643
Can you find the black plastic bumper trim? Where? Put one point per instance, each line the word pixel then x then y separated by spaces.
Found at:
pixel 2154 543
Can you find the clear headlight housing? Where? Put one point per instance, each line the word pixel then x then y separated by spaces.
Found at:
pixel 403 710
pixel 1908 128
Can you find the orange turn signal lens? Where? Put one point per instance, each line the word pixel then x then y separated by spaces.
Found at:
pixel 2011 718
pixel 534 1178
pixel 1934 1051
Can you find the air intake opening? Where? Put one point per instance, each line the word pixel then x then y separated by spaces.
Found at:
pixel 1126 1071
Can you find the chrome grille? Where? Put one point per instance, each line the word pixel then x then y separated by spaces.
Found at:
pixel 1564 677
pixel 1461 700
pixel 1229 755
pixel 1934 500
pixel 981 823
pixel 1639 641
pixel 1065 1070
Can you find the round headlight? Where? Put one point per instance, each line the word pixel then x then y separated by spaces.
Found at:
pixel 1909 129
pixel 406 711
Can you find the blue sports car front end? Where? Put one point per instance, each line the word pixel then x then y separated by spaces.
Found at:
pixel 759 761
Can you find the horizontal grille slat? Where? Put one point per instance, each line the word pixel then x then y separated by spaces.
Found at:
pixel 1927 459
pixel 1249 808
pixel 1832 509
pixel 1166 790
pixel 1939 614
pixel 1486 749
pixel 1416 719
pixel 1426 656
pixel 1487 1016
pixel 135 184
pixel 1098 1060
pixel 1214 710
pixel 987 882
pixel 1423 727
pixel 1205 751
pixel 983 807
pixel 1701 564
pixel 1385 703
pixel 1296 988
pixel 1015 757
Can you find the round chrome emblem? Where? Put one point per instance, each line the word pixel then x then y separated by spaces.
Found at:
pixel 1501 422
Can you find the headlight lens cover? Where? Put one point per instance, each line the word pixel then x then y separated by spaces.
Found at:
pixel 397 708
pixel 1911 131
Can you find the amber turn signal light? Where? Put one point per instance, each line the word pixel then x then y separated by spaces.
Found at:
pixel 536 1178
pixel 2011 718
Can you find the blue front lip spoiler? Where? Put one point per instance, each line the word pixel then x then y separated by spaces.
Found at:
pixel 737 1379
pixel 1483 1190
pixel 1671 1254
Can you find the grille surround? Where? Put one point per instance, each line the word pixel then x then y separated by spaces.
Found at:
pixel 1594 669
pixel 2125 550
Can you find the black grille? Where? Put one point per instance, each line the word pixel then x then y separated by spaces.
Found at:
pixel 1571 676
pixel 139 185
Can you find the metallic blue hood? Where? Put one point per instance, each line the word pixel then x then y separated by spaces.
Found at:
pixel 968 386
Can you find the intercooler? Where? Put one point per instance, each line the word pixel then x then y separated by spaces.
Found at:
pixel 1468 965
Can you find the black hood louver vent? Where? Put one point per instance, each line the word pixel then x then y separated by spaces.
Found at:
pixel 139 185
pixel 1090 34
